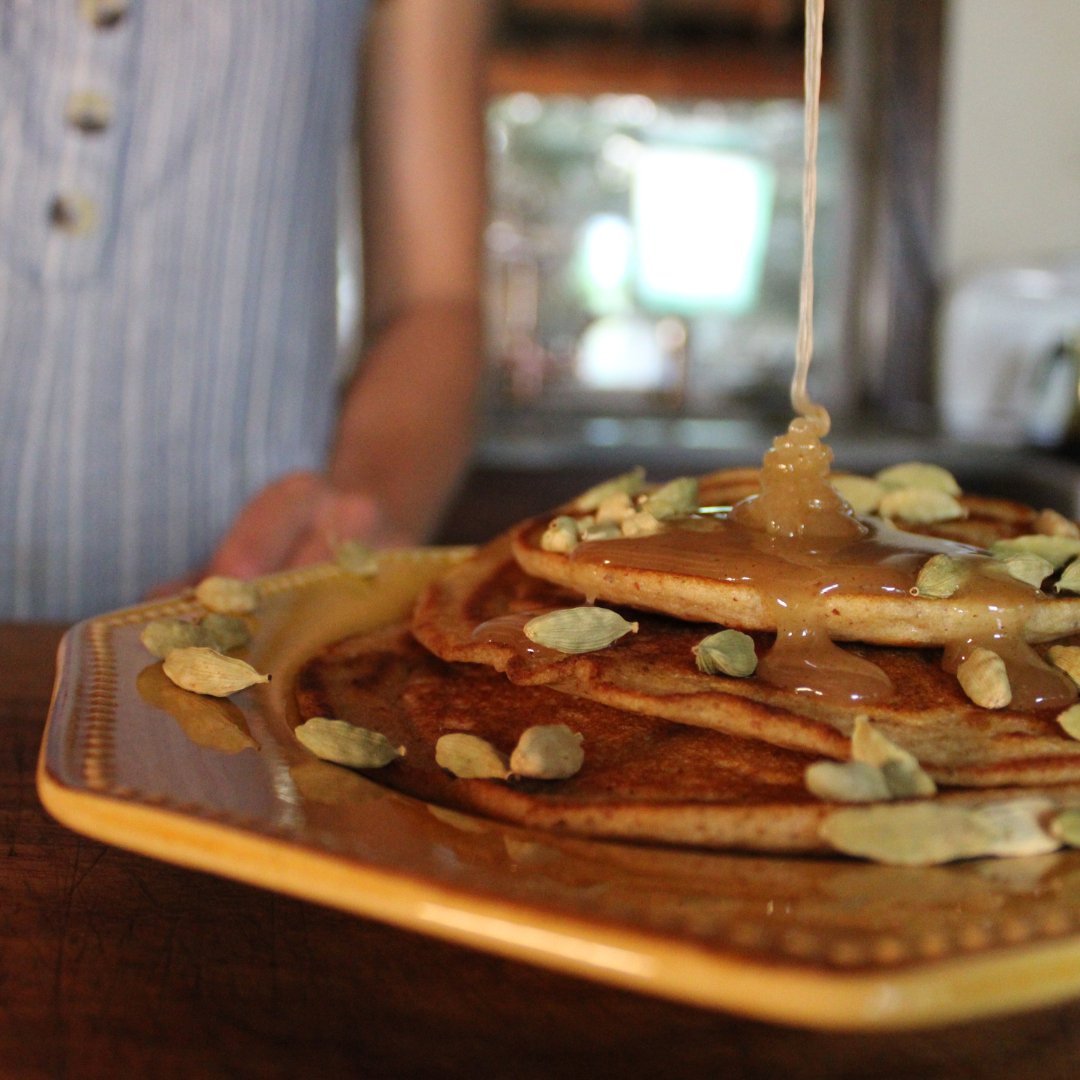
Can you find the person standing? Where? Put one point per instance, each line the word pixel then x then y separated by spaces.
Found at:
pixel 170 395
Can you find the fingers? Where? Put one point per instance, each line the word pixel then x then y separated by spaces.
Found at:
pixel 270 528
pixel 296 521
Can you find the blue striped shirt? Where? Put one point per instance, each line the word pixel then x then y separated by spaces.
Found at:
pixel 168 212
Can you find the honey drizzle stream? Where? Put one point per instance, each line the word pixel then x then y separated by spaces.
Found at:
pixel 804 346
pixel 796 498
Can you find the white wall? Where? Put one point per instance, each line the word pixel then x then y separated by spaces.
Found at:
pixel 1011 145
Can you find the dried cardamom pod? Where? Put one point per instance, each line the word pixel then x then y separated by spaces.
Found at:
pixel 206 671
pixel 227 632
pixel 357 558
pixel 547 752
pixel 878 770
pixel 1066 827
pixel 940 577
pixel 578 629
pixel 676 498
pixel 983 678
pixel 1070 578
pixel 1067 659
pixel 846 781
pixel 861 493
pixel 161 636
pixel 227 595
pixel 918 474
pixel 629 482
pixel 904 777
pixel 920 505
pixel 727 652
pixel 561 535
pixel 1051 523
pixel 640 523
pixel 347 744
pixel 469 757
pixel 907 834
pixel 616 508
pixel 1018 826
pixel 1028 567
pixel 1069 721
pixel 1057 550
pixel 928 833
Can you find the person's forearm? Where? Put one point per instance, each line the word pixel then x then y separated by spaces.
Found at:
pixel 407 422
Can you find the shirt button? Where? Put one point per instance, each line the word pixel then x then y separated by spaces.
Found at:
pixel 73 213
pixel 89 111
pixel 103 14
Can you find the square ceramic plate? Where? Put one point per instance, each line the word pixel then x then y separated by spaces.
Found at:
pixel 225 787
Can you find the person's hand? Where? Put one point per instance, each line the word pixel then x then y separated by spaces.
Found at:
pixel 294 521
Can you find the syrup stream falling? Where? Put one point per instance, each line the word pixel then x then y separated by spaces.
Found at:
pixel 796 499
pixel 804 347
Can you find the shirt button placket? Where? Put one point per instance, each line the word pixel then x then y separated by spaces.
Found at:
pixel 103 14
pixel 73 213
pixel 89 112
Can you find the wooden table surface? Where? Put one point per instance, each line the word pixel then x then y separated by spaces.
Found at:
pixel 114 965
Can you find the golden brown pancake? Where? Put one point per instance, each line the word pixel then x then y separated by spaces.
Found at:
pixel 653 672
pixel 643 779
pixel 639 573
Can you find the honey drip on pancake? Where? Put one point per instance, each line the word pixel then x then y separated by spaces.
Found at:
pixel 797 506
pixel 797 543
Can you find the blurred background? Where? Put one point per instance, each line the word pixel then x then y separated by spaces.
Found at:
pixel 644 242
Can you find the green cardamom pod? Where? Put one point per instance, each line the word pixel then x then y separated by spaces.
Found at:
pixel 918 474
pixel 227 632
pixel 1028 567
pixel 1055 549
pixel 629 482
pixel 578 629
pixel 161 636
pixel 1066 827
pixel 227 595
pixel 347 744
pixel 561 535
pixel 1069 721
pixel 356 557
pixel 727 652
pixel 939 577
pixel 206 671
pixel 676 498
pixel 470 757
pixel 1070 578
pixel 547 752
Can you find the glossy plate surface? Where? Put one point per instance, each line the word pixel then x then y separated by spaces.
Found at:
pixel 225 787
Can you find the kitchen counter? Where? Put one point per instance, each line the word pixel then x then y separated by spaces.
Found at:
pixel 114 965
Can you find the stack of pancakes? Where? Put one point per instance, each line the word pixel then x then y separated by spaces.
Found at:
pixel 674 755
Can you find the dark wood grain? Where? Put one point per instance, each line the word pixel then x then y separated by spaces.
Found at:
pixel 113 965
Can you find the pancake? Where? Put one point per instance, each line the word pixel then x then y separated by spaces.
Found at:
pixel 731 584
pixel 643 779
pixel 474 614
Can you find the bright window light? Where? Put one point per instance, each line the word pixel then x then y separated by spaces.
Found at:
pixel 701 220
pixel 606 257
pixel 621 352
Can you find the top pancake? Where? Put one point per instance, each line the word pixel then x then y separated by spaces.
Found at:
pixel 896 618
